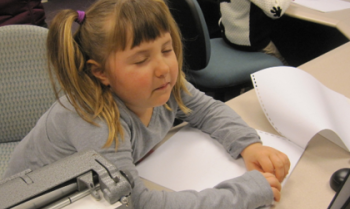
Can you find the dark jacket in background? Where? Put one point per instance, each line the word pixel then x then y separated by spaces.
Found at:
pixel 22 12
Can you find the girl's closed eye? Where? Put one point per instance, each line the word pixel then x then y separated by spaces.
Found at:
pixel 141 61
pixel 168 47
pixel 166 51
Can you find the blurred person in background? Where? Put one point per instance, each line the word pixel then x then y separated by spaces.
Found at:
pixel 22 12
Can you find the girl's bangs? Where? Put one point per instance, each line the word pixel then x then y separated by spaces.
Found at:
pixel 136 22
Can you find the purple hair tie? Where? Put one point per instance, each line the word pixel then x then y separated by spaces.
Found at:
pixel 81 17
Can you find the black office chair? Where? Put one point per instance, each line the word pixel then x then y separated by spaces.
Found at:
pixel 211 64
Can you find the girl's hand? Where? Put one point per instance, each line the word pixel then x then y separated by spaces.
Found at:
pixel 266 160
pixel 275 185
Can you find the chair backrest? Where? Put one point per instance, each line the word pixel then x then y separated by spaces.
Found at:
pixel 190 19
pixel 25 88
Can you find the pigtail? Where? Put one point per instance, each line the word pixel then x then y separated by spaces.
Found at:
pixel 65 55
pixel 67 63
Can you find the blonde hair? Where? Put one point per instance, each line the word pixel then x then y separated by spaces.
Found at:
pixel 105 30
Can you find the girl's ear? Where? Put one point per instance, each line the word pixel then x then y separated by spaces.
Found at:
pixel 98 72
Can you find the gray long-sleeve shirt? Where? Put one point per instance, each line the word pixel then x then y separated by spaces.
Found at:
pixel 61 132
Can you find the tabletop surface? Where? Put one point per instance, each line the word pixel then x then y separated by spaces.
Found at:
pixel 308 185
pixel 338 19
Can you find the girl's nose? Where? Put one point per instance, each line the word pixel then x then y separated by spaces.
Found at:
pixel 161 68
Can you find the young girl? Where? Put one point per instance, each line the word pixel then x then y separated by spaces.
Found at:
pixel 123 88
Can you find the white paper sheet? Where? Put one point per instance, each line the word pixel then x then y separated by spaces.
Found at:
pixel 324 5
pixel 298 106
pixel 192 160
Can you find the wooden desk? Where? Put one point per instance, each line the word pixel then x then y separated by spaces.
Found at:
pixel 308 185
pixel 337 19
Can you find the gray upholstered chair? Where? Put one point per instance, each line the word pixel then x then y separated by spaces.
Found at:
pixel 211 64
pixel 25 88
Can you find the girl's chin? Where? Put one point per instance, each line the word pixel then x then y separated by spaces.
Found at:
pixel 162 101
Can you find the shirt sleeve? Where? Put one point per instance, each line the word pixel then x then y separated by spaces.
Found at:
pixel 219 121
pixel 273 8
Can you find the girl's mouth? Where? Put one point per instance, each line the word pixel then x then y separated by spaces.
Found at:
pixel 163 86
